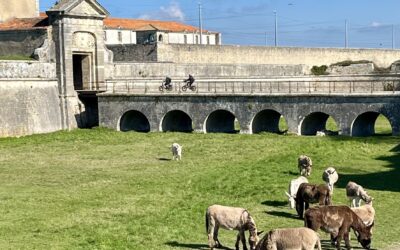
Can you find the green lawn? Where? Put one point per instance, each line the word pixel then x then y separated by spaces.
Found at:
pixel 100 189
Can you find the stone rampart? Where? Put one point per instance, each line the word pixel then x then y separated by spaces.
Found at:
pixel 181 70
pixel 27 69
pixel 21 42
pixel 29 106
pixel 271 55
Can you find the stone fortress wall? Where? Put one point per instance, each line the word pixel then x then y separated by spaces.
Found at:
pixel 18 8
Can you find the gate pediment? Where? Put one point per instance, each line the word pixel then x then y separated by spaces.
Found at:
pixel 80 7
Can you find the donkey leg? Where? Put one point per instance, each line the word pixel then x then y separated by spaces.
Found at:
pixel 237 241
pixel 211 241
pixel 243 238
pixel 215 236
pixel 347 239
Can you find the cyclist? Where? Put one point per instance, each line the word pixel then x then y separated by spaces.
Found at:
pixel 167 82
pixel 189 81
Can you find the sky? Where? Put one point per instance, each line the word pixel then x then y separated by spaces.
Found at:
pixel 300 23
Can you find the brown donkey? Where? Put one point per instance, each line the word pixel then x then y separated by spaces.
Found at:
pixel 337 220
pixel 311 193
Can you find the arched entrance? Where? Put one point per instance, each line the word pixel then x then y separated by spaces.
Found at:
pixel 221 121
pixel 269 121
pixel 134 121
pixel 371 123
pixel 176 121
pixel 318 121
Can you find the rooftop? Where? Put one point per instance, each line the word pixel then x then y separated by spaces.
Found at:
pixel 109 23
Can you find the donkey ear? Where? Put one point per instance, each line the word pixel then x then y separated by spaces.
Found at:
pixel 370 226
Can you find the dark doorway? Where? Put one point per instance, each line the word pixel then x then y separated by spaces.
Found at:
pixel 89 115
pixel 269 121
pixel 82 71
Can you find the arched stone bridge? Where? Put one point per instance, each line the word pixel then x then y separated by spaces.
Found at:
pixel 305 114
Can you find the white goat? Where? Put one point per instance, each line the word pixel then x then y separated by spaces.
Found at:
pixel 176 151
pixel 355 193
pixel 293 187
pixel 330 176
pixel 290 238
pixel 304 165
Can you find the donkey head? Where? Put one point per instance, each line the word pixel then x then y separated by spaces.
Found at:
pixel 292 202
pixel 254 239
pixel 364 236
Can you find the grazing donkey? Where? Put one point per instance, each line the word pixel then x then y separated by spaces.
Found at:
pixel 355 193
pixel 366 214
pixel 290 238
pixel 176 151
pixel 293 187
pixel 304 164
pixel 311 193
pixel 231 218
pixel 337 220
pixel 330 176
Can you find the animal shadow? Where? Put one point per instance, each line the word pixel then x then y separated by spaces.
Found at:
pixel 164 159
pixel 283 214
pixel 291 173
pixel 275 203
pixel 326 245
pixel 192 246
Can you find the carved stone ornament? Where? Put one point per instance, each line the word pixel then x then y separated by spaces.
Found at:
pixel 84 40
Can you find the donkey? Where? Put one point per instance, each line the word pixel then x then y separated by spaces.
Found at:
pixel 330 176
pixel 231 218
pixel 311 193
pixel 337 220
pixel 304 164
pixel 293 187
pixel 290 238
pixel 355 193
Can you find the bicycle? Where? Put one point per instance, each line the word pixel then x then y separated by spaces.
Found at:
pixel 165 87
pixel 187 86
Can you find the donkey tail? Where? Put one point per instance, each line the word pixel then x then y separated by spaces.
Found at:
pixel 207 221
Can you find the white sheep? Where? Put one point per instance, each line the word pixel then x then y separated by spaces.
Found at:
pixel 176 151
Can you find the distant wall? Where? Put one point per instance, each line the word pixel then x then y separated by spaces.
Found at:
pixel 21 42
pixel 18 8
pixel 180 70
pixel 271 55
pixel 134 53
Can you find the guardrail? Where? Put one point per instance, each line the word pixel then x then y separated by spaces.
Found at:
pixel 255 86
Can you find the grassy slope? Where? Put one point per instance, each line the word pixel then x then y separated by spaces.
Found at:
pixel 108 190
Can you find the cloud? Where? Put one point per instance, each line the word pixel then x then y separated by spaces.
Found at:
pixel 375 24
pixel 171 12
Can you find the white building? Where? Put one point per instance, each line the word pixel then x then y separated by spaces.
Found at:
pixel 137 31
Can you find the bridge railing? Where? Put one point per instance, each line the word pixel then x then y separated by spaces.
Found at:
pixel 256 86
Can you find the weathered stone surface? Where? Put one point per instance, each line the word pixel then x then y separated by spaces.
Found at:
pixel 21 42
pixel 353 69
pixel 27 69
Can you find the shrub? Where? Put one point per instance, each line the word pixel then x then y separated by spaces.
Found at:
pixel 319 70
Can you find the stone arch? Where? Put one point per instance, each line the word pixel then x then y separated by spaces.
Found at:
pixel 134 120
pixel 220 121
pixel 364 124
pixel 176 121
pixel 314 122
pixel 266 120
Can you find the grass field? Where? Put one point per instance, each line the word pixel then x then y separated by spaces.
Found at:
pixel 101 189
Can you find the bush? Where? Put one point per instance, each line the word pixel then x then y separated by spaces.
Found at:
pixel 319 70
